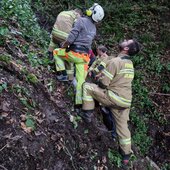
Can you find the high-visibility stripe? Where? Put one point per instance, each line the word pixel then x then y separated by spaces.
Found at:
pixel 127 65
pixel 130 76
pixel 119 99
pixel 68 14
pixel 59 33
pixel 106 73
pixel 103 64
pixel 125 141
pixel 78 101
pixel 88 87
pixel 85 96
pixel 96 69
pixel 70 71
pixel 88 98
pixel 128 71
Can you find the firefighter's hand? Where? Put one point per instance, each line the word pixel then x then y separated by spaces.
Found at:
pixel 92 74
pixel 65 44
pixel 98 75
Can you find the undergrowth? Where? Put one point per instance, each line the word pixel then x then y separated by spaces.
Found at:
pixel 142 20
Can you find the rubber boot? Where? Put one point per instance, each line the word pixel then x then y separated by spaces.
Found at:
pixel 63 76
pixel 125 159
pixel 86 115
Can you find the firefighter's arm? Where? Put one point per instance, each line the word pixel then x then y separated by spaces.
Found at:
pixel 101 85
pixel 75 31
pixel 108 75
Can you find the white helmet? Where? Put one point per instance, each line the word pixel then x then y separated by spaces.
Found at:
pixel 97 12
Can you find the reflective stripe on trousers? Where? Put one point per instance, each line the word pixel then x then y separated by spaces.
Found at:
pixel 119 99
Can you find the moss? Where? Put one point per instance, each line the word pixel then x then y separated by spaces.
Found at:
pixel 32 78
pixel 5 58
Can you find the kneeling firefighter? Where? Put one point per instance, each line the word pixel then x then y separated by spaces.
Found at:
pixel 114 91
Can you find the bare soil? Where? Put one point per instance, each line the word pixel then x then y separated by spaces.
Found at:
pixel 57 142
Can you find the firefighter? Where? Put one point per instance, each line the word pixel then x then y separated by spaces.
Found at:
pixel 61 29
pixel 99 64
pixel 76 48
pixel 114 91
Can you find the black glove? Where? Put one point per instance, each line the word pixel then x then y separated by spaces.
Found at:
pixel 100 67
pixel 101 85
pixel 93 74
pixel 67 49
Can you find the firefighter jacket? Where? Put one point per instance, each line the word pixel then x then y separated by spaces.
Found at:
pixel 83 32
pixel 63 25
pixel 117 79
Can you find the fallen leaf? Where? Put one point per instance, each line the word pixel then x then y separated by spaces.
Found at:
pixel 5 106
pixel 23 117
pixel 26 129
pixel 4 114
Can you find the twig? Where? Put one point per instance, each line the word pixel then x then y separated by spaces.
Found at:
pixel 3 147
pixel 69 154
pixel 155 103
pixel 161 94
pixel 15 138
pixel 3 167
pixel 70 85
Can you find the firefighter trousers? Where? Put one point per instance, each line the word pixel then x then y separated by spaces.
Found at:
pixel 57 37
pixel 91 91
pixel 81 65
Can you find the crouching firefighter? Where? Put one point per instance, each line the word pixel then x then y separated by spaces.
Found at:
pixel 61 29
pixel 114 91
pixel 76 48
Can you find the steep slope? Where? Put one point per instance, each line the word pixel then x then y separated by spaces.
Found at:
pixel 39 129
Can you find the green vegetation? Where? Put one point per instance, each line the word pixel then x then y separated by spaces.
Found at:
pixel 23 95
pixel 148 21
pixel 3 86
pixel 114 157
pixel 5 58
pixel 20 13
pixel 32 78
pixel 30 122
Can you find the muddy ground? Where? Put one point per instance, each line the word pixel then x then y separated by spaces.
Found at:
pixel 40 131
pixel 57 142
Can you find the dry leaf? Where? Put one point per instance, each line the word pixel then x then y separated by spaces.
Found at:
pixel 23 117
pixel 26 129
pixel 4 114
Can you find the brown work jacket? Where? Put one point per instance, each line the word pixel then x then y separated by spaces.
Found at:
pixel 118 76
pixel 65 21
